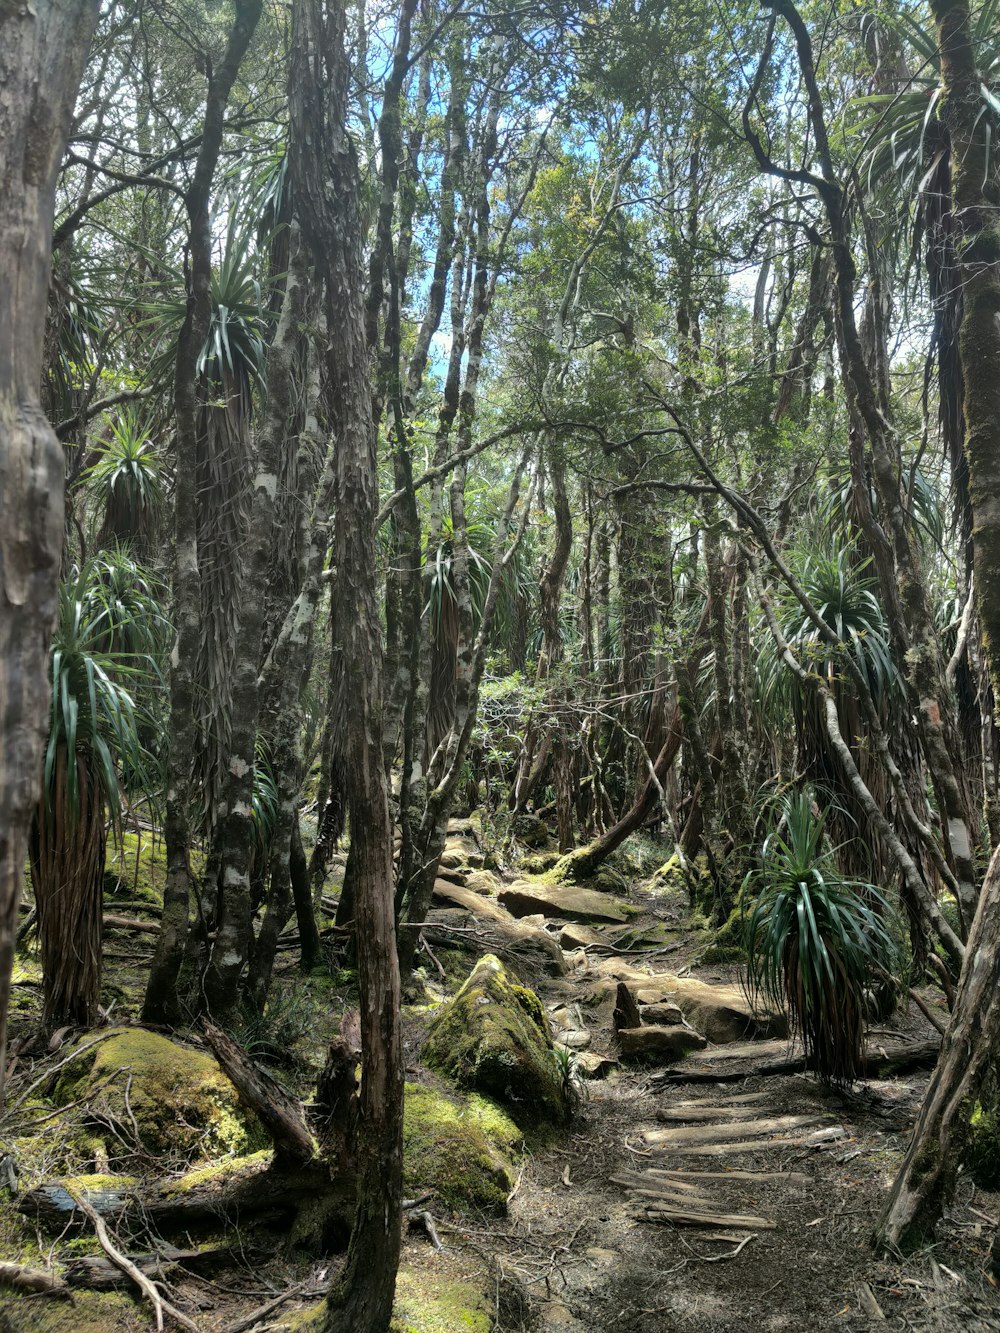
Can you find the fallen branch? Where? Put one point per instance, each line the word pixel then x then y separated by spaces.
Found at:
pixel 159 1303
pixel 262 1311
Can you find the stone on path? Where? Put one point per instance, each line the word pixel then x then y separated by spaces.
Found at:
pixel 524 897
pixel 575 935
pixel 659 1045
pixel 664 1015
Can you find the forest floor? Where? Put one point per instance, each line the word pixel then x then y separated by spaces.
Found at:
pixel 602 1230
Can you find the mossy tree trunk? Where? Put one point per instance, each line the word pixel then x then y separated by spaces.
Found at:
pixel 927 1176
pixel 42 49
pixel 327 187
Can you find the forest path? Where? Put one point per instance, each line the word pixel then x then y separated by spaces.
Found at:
pixel 719 1207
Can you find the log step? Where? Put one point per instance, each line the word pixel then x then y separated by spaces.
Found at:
pixel 689 1135
pixel 687 1218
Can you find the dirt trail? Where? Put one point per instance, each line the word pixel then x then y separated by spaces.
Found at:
pixel 768 1227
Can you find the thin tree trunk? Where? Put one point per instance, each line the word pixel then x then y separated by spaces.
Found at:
pixel 42 49
pixel 162 1002
pixel 327 183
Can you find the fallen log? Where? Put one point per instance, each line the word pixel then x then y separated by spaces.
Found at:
pixel 710 1066
pixel 278 1111
pixel 682 1217
pixel 98 1273
pixel 688 1135
pixel 32 1279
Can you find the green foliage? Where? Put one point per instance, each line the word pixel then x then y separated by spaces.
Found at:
pixel 125 484
pixel 105 630
pixel 815 941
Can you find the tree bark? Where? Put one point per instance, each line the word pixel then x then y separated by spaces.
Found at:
pixel 42 50
pixel 927 1176
pixel 327 185
pixel 162 1002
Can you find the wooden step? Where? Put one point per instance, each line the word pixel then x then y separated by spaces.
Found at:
pixel 688 1135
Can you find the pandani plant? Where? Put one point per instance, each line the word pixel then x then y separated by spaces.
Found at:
pixel 817 944
pixel 94 737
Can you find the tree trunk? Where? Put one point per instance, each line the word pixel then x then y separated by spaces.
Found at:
pixel 926 1179
pixel 927 1176
pixel 327 185
pixel 42 50
pixel 162 1003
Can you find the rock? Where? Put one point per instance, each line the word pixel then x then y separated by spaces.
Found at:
pixel 536 947
pixel 722 1012
pixel 593 1066
pixel 457 876
pixel 445 890
pixel 538 862
pixel 577 1039
pixel 664 1015
pixel 462 1148
pixel 531 830
pixel 526 896
pixel 659 1045
pixel 626 1011
pixel 554 1317
pixel 494 1038
pixel 181 1101
pixel 459 852
pixel 578 936
pixel 483 881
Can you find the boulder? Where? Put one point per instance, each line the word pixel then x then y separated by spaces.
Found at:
pixel 578 936
pixel 722 1012
pixel 483 881
pixel 494 1038
pixel 659 1045
pixel 536 947
pixel 562 901
pixel 179 1100
pixel 461 1147
pixel 593 1066
pixel 663 1015
pixel 530 830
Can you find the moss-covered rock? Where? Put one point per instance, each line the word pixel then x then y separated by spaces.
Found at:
pixel 181 1102
pixel 460 1147
pixel 494 1038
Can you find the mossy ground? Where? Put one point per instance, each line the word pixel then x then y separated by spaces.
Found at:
pixel 182 1104
pixel 494 1038
pixel 428 1303
pixel 136 868
pixel 462 1148
pixel 91 1312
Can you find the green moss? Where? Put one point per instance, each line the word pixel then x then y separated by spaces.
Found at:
pixel 537 863
pixel 727 944
pixel 427 1303
pixel 136 867
pixel 179 1098
pixel 982 1149
pixel 461 1148
pixel 494 1038
pixel 91 1312
pixel 96 1182
pixel 216 1173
